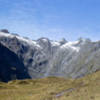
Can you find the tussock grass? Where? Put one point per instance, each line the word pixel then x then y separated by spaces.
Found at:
pixel 87 88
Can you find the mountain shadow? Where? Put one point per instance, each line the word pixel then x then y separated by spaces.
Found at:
pixel 11 67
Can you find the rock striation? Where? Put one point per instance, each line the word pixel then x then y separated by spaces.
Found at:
pixel 44 57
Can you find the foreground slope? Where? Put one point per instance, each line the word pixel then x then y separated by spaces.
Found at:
pixel 44 57
pixel 52 88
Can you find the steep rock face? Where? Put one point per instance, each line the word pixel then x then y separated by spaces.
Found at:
pixel 11 66
pixel 76 63
pixel 44 57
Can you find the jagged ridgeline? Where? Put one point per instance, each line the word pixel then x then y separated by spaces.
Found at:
pixel 24 58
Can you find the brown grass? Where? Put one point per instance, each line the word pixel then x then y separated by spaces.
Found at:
pixel 87 88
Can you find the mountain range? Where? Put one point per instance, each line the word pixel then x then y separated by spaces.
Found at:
pixel 22 58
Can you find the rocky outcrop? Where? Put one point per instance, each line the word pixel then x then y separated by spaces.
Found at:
pixel 11 67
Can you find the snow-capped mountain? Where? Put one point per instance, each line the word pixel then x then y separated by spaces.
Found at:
pixel 44 57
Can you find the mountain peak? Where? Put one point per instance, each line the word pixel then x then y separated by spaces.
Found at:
pixel 4 30
pixel 57 58
pixel 63 41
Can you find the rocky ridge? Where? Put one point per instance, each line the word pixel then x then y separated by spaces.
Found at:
pixel 44 57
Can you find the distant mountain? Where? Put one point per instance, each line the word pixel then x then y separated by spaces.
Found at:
pixel 44 57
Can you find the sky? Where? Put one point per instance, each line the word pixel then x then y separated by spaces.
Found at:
pixel 54 19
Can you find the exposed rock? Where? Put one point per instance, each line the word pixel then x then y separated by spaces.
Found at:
pixel 44 57
pixel 11 67
pixel 4 30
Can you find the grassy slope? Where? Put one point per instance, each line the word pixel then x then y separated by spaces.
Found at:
pixel 52 88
